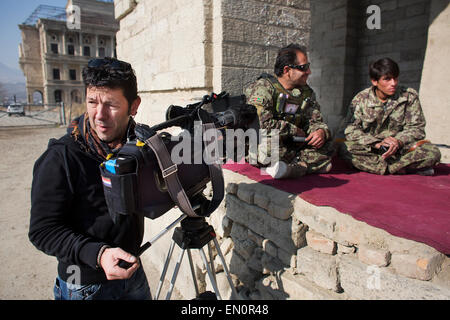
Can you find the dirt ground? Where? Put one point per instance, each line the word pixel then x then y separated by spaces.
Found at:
pixel 25 272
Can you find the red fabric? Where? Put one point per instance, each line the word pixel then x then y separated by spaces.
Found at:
pixel 409 206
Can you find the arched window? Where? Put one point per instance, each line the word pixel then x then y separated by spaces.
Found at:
pixel 38 97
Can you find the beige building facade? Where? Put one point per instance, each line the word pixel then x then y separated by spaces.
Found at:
pixel 54 50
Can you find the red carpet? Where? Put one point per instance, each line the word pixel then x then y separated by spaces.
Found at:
pixel 408 206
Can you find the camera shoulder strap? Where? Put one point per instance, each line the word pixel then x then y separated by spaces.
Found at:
pixel 176 190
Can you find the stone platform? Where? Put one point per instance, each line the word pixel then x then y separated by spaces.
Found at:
pixel 278 246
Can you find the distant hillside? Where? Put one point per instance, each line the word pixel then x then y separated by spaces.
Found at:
pixel 12 83
pixel 10 75
pixel 15 89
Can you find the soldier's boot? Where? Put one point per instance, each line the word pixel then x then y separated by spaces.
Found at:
pixel 281 170
pixel 428 171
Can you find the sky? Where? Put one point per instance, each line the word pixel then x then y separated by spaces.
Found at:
pixel 13 13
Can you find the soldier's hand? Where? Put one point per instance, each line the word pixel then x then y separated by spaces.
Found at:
pixel 316 139
pixel 393 146
pixel 109 261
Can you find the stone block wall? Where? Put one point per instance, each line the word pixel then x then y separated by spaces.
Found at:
pixel 342 47
pixel 402 37
pixel 280 247
pixel 252 33
pixel 184 50
pixel 168 45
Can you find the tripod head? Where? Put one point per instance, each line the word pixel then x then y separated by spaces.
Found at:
pixel 194 233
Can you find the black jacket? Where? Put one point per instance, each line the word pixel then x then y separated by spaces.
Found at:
pixel 69 216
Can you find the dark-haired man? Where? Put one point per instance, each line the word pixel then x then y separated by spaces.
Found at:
pixel 69 215
pixel 285 102
pixel 386 132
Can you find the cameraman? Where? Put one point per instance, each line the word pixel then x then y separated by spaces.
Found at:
pixel 69 215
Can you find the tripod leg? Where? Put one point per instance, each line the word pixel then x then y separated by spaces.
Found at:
pixel 225 268
pixel 213 282
pixel 193 272
pixel 163 274
pixel 211 261
pixel 175 274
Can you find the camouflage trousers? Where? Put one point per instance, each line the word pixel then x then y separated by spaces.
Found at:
pixel 307 160
pixel 364 158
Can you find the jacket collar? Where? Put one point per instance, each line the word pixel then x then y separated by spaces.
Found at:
pixel 391 102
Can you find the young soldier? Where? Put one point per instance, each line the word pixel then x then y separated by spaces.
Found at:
pixel 386 132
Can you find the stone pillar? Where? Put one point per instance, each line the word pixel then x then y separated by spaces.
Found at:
pixel 112 47
pixel 64 47
pixel 81 44
pixel 96 46
pixel 434 84
pixel 45 42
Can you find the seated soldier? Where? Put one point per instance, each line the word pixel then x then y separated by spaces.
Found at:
pixel 385 134
pixel 285 102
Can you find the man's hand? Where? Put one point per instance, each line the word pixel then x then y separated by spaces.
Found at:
pixel 109 261
pixel 316 139
pixel 392 144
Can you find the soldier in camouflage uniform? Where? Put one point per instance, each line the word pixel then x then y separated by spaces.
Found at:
pixel 285 102
pixel 385 134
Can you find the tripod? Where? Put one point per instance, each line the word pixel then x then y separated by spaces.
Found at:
pixel 194 233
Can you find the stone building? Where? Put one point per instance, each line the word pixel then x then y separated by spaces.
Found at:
pixel 54 50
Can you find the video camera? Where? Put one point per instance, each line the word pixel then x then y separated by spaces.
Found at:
pixel 143 179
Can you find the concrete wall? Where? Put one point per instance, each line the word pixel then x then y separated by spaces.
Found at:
pixel 435 83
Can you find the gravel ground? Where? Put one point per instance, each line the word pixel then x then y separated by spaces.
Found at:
pixel 25 272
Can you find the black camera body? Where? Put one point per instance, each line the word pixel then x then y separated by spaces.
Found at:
pixel 136 181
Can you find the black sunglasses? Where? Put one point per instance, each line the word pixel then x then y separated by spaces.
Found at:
pixel 301 67
pixel 111 63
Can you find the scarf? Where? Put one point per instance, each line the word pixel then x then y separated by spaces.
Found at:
pixel 81 131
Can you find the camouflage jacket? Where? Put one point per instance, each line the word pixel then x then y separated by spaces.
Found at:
pixel 262 94
pixel 400 117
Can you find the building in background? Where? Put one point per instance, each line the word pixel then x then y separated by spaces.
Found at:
pixel 54 51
